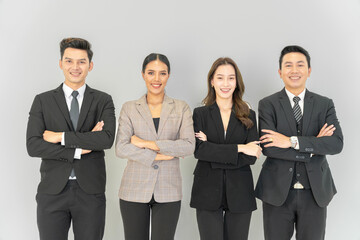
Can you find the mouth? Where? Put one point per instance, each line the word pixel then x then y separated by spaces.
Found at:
pixel 156 86
pixel 225 90
pixel 75 74
pixel 294 78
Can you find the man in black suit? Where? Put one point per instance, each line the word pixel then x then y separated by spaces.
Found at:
pixel 69 128
pixel 299 128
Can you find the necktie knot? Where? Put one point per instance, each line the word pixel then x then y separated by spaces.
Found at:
pixel 75 94
pixel 296 99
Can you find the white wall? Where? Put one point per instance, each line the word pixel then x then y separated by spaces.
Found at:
pixel 192 34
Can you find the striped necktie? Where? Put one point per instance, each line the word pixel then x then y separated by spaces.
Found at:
pixel 297 109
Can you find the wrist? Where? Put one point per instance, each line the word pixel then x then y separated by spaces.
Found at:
pixel 294 142
pixel 240 148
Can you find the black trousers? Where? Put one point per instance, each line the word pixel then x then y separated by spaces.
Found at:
pixel 300 211
pixel 223 225
pixel 86 211
pixel 136 219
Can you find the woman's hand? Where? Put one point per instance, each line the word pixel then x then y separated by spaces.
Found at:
pixel 200 135
pixel 138 142
pixel 160 156
pixel 251 149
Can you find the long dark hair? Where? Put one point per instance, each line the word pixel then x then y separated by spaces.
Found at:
pixel 240 107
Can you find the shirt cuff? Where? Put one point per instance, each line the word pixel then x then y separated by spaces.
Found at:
pixel 63 139
pixel 77 154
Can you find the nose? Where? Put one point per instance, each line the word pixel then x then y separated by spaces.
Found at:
pixel 226 82
pixel 157 77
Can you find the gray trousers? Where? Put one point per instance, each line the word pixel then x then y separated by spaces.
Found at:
pixel 300 212
pixel 136 219
pixel 56 212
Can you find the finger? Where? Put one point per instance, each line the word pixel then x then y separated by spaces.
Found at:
pixel 268 131
pixel 269 145
pixel 265 136
pixel 256 142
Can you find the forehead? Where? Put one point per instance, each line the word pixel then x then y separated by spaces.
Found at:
pixel 156 65
pixel 75 53
pixel 294 57
pixel 225 69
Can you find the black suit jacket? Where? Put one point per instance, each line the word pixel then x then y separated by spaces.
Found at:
pixel 275 113
pixel 50 112
pixel 219 161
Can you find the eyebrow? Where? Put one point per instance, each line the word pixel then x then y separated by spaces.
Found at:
pixel 296 62
pixel 224 75
pixel 150 70
pixel 75 59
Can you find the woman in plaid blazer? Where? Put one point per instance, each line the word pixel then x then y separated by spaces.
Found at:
pixel 226 146
pixel 154 132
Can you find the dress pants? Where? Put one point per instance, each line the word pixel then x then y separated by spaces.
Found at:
pixel 223 224
pixel 300 211
pixel 136 219
pixel 86 211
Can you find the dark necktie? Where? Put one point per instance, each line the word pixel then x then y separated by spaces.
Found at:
pixel 74 116
pixel 297 109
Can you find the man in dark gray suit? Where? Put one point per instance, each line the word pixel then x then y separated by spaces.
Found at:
pixel 298 129
pixel 69 128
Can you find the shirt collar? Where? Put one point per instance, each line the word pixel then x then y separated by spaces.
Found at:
pixel 291 96
pixel 68 90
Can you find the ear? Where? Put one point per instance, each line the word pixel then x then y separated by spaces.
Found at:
pixel 212 82
pixel 60 64
pixel 91 65
pixel 279 71
pixel 309 72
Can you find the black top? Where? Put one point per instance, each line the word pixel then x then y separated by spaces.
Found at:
pixel 156 123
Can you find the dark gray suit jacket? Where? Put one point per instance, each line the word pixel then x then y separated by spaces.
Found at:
pixel 50 112
pixel 275 113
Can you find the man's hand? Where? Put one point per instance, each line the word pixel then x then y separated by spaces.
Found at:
pixel 52 137
pixel 98 127
pixel 275 139
pixel 326 131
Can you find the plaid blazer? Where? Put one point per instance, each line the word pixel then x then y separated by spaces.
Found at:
pixel 143 176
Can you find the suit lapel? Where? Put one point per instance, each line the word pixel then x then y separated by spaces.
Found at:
pixel 61 102
pixel 231 127
pixel 166 109
pixel 289 114
pixel 308 108
pixel 216 117
pixel 144 111
pixel 85 106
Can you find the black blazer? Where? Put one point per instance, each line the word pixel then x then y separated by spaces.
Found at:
pixel 50 112
pixel 219 161
pixel 275 113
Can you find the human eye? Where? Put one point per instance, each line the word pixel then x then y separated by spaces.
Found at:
pixel 163 73
pixel 151 73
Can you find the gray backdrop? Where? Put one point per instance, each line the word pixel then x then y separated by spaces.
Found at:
pixel 192 34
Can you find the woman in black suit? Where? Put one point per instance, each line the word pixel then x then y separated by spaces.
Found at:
pixel 226 146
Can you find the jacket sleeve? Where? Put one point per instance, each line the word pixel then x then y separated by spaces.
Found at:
pixel 324 145
pixel 36 145
pixel 185 144
pixel 267 120
pixel 253 135
pixel 124 148
pixel 213 152
pixel 98 140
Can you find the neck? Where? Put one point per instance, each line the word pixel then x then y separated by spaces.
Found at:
pixel 74 86
pixel 154 99
pixel 224 104
pixel 295 91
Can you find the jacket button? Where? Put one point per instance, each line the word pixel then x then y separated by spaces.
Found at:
pixel 290 169
pixel 156 166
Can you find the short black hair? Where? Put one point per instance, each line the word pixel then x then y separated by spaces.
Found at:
pixel 294 48
pixel 153 57
pixel 77 43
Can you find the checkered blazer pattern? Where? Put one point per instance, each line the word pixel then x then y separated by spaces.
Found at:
pixel 143 176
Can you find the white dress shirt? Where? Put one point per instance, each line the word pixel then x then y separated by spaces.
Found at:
pixel 68 97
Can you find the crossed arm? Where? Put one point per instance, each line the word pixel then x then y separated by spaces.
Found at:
pixel 277 145
pixel 45 144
